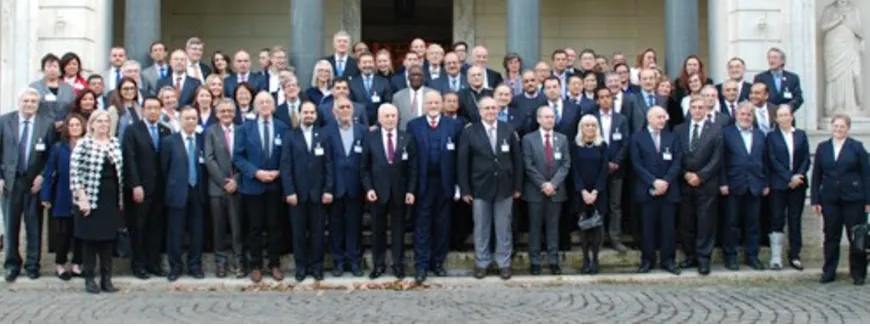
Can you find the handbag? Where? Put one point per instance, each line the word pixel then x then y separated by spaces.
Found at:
pixel 123 246
pixel 588 222
pixel 860 238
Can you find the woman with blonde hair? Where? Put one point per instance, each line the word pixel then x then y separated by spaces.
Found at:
pixel 589 164
pixel 215 85
pixel 202 102
pixel 321 82
pixel 384 64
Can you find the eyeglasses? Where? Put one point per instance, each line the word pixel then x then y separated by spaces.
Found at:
pixel 128 88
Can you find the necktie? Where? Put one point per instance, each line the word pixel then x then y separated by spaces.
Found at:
pixel 433 123
pixel 228 140
pixel 650 100
pixel 454 84
pixel 503 116
pixel 368 81
pixel 557 110
pixel 340 68
pixel 23 145
pixel 548 152
pixel 414 100
pixel 391 149
pixel 154 137
pixel 492 138
pixel 731 110
pixel 710 117
pixel 191 162
pixel 657 141
pixel 162 72
pixel 695 137
pixel 764 120
pixel 777 80
pixel 117 76
pixel 267 141
pixel 178 84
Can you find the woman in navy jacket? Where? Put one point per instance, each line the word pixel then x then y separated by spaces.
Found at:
pixel 840 190
pixel 589 163
pixel 57 196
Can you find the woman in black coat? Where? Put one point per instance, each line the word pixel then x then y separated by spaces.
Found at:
pixel 589 164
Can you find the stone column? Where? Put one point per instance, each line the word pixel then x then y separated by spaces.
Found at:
pixel 351 19
pixel 524 29
pixel 141 27
pixel 306 37
pixel 801 58
pixel 463 22
pixel 108 34
pixel 681 33
pixel 717 40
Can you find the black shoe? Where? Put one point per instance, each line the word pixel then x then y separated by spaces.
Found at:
pixel 173 276
pixel 141 274
pixel 505 273
pixel 220 271
pixel 11 275
pixel 318 274
pixel 555 269
pixel 535 269
pixel 755 264
pixel 704 268
pixel 91 286
pixel 420 276
pixel 197 274
pixel 689 263
pixel 671 268
pixel 479 273
pixel 356 270
pixel 796 264
pixel 338 270
pixel 731 264
pixel 301 275
pixel 399 272
pixel 33 274
pixel 377 272
pixel 106 284
pixel 645 267
pixel 65 276
pixel 858 281
pixel 157 271
pixel 827 278
pixel 439 270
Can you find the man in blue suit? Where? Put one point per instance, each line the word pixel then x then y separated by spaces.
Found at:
pixel 370 89
pixel 744 180
pixel 243 74
pixel 656 158
pixel 340 89
pixel 784 86
pixel 256 154
pixel 614 129
pixel 181 158
pixel 436 140
pixel 346 140
pixel 185 85
pixel 307 177
pixel 453 80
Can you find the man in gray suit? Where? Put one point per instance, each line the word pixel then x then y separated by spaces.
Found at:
pixel 545 153
pixel 117 57
pixel 24 141
pixel 410 100
pixel 53 103
pixel 153 74
pixel 644 100
pixel 222 187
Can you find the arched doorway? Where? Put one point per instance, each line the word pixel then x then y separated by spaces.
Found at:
pixel 392 24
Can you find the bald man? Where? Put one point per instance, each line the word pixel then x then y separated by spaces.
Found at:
pixel 185 85
pixel 242 74
pixel 480 57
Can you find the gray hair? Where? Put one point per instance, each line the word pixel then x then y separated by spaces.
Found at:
pixel 193 41
pixel 131 63
pixel 28 91
pixel 340 34
pixel 588 119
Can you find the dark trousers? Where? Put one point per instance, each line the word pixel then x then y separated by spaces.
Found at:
pixel 91 249
pixel 307 221
pixel 839 214
pixel 657 221
pixel 345 229
pixel 190 218
pixel 21 204
pixel 698 223
pixel 64 230
pixel 463 225
pixel 226 213
pixel 147 230
pixel 742 209
pixel 395 209
pixel 262 210
pixel 788 205
pixel 432 228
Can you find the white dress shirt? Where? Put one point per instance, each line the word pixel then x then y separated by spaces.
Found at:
pixel 617 102
pixel 231 140
pixel 606 124
pixel 307 134
pixel 696 124
pixel 558 107
pixel 544 138
pixel 418 96
pixel 747 138
pixel 838 147
pixel 194 69
pixel 788 136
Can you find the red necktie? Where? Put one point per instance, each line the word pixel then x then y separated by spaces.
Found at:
pixel 433 123
pixel 178 84
pixel 391 150
pixel 548 152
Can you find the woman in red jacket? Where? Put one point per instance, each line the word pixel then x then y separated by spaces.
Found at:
pixel 71 67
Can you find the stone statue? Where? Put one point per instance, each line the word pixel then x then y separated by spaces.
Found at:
pixel 843 46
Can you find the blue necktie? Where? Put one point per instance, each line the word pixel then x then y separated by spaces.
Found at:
pixel 191 162
pixel 154 137
pixel 339 67
pixel 777 80
pixel 162 72
pixel 454 85
pixel 557 113
pixel 368 81
pixel 23 143
pixel 503 116
pixel 650 100
pixel 117 77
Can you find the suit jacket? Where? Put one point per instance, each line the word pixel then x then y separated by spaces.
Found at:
pixel 529 105
pixel 745 88
pixel 109 79
pixel 402 101
pixel 218 159
pixel 325 115
pixel 380 91
pixel 351 67
pixel 122 118
pixel 637 120
pixel 447 134
pixel 188 88
pixel 744 172
pixel 53 106
pixel 232 81
pixel 56 187
pixel 782 165
pixel 771 117
pixel 389 181
pixel 486 174
pixel 567 125
pixel 494 78
pixel 468 99
pixel 206 70
pixel 42 138
pixel 791 85
pixel 151 78
pixel 347 165
pixel 535 166
pixel 249 157
pixel 721 119
pixel 705 160
pixel 617 149
pixel 649 164
pixel 845 178
pixel 307 172
pixel 442 84
pixel 143 167
pixel 520 119
pixel 174 163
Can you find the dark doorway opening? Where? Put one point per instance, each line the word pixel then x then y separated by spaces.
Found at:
pixel 392 24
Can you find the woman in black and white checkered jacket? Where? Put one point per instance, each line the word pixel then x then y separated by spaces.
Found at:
pixel 96 181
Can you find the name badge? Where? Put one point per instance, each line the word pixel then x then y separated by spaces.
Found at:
pixel 404 156
pixel 505 148
pixel 250 116
pixel 318 151
pixel 278 142
pixel 617 136
pixel 557 155
pixel 357 149
pixel 667 156
pixel 201 160
pixel 456 193
pixel 787 95
pixel 450 145
pixel 376 98
pixel 40 147
pixel 50 97
pixel 198 129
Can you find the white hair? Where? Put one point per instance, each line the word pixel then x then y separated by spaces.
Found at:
pixel 588 119
pixel 340 34
pixel 129 64
pixel 28 91
pixel 321 64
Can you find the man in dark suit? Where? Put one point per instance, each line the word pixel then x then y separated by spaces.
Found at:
pixel 701 145
pixel 587 64
pixel 736 70
pixel 342 63
pixel 744 179
pixel 345 222
pixel 490 177
pixel 644 100
pixel 453 80
pixel 731 99
pixel 143 180
pixel 764 111
pixel 656 158
pixel 614 129
pixel 436 140
pixel 520 120
pixel 491 78
pixel 370 89
pixel 242 74
pixel 185 85
pixel 389 177
pixel 307 177
pixel 547 162
pixel 340 89
pixel 788 155
pixel 181 159
pixel 400 79
pixel 469 97
pixel 532 98
pixel 24 145
pixel 256 153
pixel 560 69
pixel 712 108
pixel 288 112
pixel 195 68
pixel 785 86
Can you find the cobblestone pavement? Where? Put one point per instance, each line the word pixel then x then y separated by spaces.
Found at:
pixel 791 302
